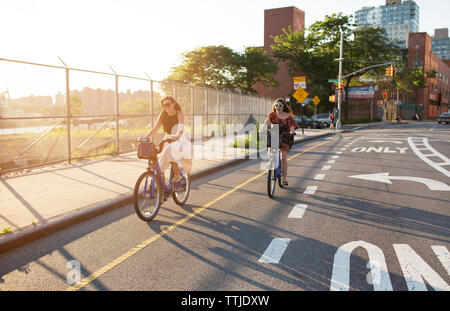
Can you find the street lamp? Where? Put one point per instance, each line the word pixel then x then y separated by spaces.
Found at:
pixel 341 52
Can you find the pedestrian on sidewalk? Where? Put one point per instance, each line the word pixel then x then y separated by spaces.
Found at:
pixel 171 119
pixel 331 121
pixel 282 114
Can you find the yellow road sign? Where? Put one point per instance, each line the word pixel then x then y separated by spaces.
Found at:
pixel 299 82
pixel 316 100
pixel 300 95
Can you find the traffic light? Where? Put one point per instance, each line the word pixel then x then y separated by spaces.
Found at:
pixel 389 71
pixel 393 71
pixel 384 95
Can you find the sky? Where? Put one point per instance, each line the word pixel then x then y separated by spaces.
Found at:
pixel 141 37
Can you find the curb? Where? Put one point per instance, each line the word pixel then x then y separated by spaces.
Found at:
pixel 21 238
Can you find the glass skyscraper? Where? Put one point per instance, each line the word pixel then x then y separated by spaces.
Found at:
pixel 441 43
pixel 396 17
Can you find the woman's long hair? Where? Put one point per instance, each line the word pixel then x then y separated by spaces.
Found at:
pixel 286 108
pixel 173 101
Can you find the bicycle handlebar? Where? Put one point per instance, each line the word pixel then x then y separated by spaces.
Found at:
pixel 146 140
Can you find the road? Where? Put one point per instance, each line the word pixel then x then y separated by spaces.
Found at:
pixel 365 210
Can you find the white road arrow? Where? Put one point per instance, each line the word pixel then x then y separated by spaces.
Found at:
pixel 385 178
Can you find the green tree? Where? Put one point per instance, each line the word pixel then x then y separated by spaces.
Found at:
pixel 255 66
pixel 314 52
pixel 76 105
pixel 221 67
pixel 410 80
pixel 212 66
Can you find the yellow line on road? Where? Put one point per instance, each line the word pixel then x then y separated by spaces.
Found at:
pixel 144 244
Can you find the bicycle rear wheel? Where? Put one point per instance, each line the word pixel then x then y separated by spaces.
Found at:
pixel 180 191
pixel 271 183
pixel 147 196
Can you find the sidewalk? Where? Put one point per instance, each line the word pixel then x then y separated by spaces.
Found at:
pixel 65 194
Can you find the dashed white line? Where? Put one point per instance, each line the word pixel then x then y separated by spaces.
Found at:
pixel 319 177
pixel 331 161
pixel 326 167
pixel 298 211
pixel 275 251
pixel 310 190
pixel 335 157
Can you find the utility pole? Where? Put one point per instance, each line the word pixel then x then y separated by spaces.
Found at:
pixel 341 55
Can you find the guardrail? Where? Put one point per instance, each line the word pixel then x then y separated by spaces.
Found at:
pixel 34 140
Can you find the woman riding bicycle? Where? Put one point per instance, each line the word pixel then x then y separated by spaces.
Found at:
pixel 282 114
pixel 172 120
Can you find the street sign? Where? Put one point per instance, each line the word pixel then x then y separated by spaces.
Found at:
pixel 333 80
pixel 299 82
pixel 316 100
pixel 300 95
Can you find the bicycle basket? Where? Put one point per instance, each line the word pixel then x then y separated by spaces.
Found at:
pixel 146 150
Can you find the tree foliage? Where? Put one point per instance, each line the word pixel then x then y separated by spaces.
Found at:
pixel 314 52
pixel 221 67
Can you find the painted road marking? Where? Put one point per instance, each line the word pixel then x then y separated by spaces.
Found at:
pixel 437 166
pixel 331 161
pixel 385 178
pixel 386 141
pixel 415 270
pixel 275 251
pixel 443 255
pixel 146 243
pixel 340 279
pixel 379 150
pixel 310 190
pixel 338 152
pixel 298 211
pixel 343 149
pixel 319 177
pixel 326 168
pixel 335 157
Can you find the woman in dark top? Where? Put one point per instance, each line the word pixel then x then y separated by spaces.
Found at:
pixel 172 121
pixel 282 114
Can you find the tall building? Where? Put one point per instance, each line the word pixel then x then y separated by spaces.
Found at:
pixel 441 43
pixel 275 20
pixel 396 17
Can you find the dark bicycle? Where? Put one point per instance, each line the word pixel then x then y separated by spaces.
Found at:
pixel 151 189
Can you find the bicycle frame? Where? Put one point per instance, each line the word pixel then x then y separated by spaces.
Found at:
pixel 277 165
pixel 166 187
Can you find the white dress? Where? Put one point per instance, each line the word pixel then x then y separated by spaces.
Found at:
pixel 179 151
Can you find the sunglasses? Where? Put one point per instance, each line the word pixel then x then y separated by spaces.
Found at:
pixel 279 105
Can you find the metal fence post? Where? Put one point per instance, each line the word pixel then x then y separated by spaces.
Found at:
pixel 117 115
pixel 68 116
pixel 206 105
pixel 242 108
pixel 218 109
pixel 192 113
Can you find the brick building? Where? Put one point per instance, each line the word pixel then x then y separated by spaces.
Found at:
pixel 275 20
pixel 435 97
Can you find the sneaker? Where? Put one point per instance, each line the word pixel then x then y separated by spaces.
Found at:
pixel 177 178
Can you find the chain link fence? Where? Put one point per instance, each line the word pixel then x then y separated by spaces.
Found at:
pixel 93 114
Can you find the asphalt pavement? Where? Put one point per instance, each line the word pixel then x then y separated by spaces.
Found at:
pixel 364 210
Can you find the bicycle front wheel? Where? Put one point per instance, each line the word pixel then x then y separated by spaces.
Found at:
pixel 147 196
pixel 180 191
pixel 271 183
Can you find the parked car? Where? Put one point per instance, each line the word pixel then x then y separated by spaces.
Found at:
pixel 444 117
pixel 322 117
pixel 309 123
